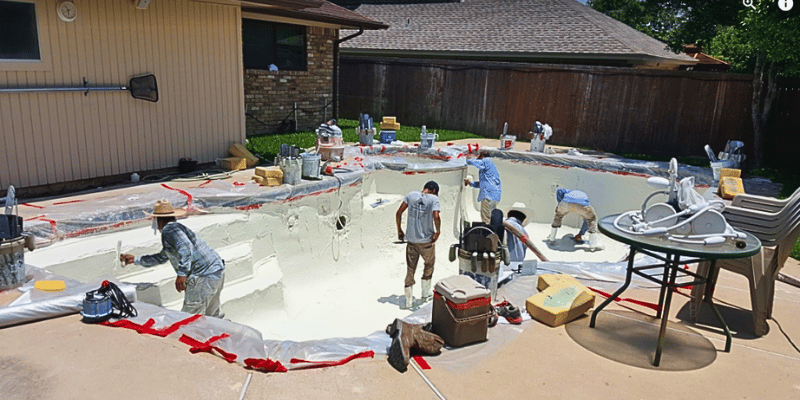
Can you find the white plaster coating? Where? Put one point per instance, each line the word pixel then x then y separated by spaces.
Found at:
pixel 291 274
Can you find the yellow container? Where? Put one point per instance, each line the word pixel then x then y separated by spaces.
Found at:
pixel 233 163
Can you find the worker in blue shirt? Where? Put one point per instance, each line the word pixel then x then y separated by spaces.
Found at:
pixel 200 269
pixel 489 184
pixel 578 202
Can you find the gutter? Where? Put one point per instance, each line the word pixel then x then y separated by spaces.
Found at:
pixel 336 70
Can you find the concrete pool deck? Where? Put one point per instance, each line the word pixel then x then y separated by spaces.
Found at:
pixel 65 358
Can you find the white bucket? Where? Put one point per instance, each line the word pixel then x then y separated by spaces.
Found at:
pixel 507 142
pixel 310 165
pixel 537 142
pixel 12 263
pixel 366 136
pixel 427 140
pixel 291 167
pixel 716 167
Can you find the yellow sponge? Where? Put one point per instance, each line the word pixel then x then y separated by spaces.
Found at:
pixel 271 182
pixel 50 286
pixel 390 123
pixel 233 163
pixel 271 172
pixel 730 187
pixel 561 299
pixel 238 150
pixel 257 178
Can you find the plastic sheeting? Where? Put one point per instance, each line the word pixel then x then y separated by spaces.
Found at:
pixel 83 217
pixel 35 305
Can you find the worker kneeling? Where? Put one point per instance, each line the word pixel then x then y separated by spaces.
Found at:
pixel 200 269
pixel 578 202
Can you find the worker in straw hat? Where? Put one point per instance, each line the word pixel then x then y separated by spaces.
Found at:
pixel 200 269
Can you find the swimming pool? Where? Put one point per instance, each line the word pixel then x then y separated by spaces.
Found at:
pixel 323 264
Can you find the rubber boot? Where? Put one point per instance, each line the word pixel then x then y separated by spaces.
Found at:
pixel 594 242
pixel 552 237
pixel 406 337
pixel 426 290
pixel 409 297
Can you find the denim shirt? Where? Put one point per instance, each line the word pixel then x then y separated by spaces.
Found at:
pixel 188 254
pixel 516 248
pixel 488 179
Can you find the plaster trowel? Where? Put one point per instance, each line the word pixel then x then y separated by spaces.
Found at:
pixel 119 253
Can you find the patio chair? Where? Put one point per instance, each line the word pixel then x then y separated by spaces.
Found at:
pixel 762 203
pixel 778 232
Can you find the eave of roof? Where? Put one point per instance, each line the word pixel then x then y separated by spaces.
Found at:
pixel 279 4
pixel 327 12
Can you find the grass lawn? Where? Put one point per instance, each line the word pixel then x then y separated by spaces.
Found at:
pixel 268 146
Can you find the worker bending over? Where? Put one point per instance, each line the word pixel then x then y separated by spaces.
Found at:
pixel 578 202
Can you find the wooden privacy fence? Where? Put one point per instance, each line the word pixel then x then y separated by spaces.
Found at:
pixel 621 110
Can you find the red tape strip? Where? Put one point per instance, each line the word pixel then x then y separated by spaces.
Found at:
pixel 320 364
pixel 147 327
pixel 629 300
pixel 421 362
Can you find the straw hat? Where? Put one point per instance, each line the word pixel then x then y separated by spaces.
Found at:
pixel 521 208
pixel 164 209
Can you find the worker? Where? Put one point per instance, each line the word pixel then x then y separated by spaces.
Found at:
pixel 422 230
pixel 488 182
pixel 578 202
pixel 517 219
pixel 200 269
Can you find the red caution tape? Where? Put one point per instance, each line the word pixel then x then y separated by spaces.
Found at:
pixel 147 327
pixel 634 301
pixel 421 362
pixel 183 192
pixel 206 347
pixel 263 365
pixel 320 364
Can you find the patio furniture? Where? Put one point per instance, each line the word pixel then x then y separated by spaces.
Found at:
pixel 777 224
pixel 670 253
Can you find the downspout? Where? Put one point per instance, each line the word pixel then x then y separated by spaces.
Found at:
pixel 336 70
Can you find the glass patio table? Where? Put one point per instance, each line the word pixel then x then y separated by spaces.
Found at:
pixel 673 275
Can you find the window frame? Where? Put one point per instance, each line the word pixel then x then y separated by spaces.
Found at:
pixel 274 25
pixel 43 23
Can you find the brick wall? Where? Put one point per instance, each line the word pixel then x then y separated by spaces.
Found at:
pixel 269 96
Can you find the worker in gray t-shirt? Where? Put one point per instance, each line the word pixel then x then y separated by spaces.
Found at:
pixel 422 230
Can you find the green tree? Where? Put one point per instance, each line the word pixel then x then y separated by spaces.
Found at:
pixel 762 39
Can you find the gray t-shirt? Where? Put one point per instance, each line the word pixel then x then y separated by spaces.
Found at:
pixel 420 226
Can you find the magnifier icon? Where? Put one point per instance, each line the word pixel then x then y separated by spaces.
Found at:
pixel 748 3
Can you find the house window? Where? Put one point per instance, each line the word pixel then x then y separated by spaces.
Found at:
pixel 266 43
pixel 19 37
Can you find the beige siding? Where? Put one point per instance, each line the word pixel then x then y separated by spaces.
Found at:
pixel 193 49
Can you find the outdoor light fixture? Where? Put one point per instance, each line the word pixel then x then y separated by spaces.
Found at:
pixel 141 4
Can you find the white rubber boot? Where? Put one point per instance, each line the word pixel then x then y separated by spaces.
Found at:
pixel 552 237
pixel 409 298
pixel 426 290
pixel 594 242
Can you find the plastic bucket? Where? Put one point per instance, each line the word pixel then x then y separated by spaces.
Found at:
pixel 537 142
pixel 366 136
pixel 427 140
pixel 310 165
pixel 291 168
pixel 507 142
pixel 12 263
pixel 716 167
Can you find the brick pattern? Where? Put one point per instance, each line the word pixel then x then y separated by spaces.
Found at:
pixel 269 96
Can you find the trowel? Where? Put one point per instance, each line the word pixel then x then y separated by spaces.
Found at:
pixel 119 253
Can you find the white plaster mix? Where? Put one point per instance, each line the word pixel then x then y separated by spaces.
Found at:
pixel 291 274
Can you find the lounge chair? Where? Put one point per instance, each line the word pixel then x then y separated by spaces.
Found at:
pixel 777 224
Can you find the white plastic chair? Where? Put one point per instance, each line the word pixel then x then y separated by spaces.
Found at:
pixel 778 231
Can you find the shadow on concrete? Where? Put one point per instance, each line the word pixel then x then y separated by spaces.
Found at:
pixel 630 338
pixel 739 320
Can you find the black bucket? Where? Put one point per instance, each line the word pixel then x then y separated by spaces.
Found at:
pixel 10 227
